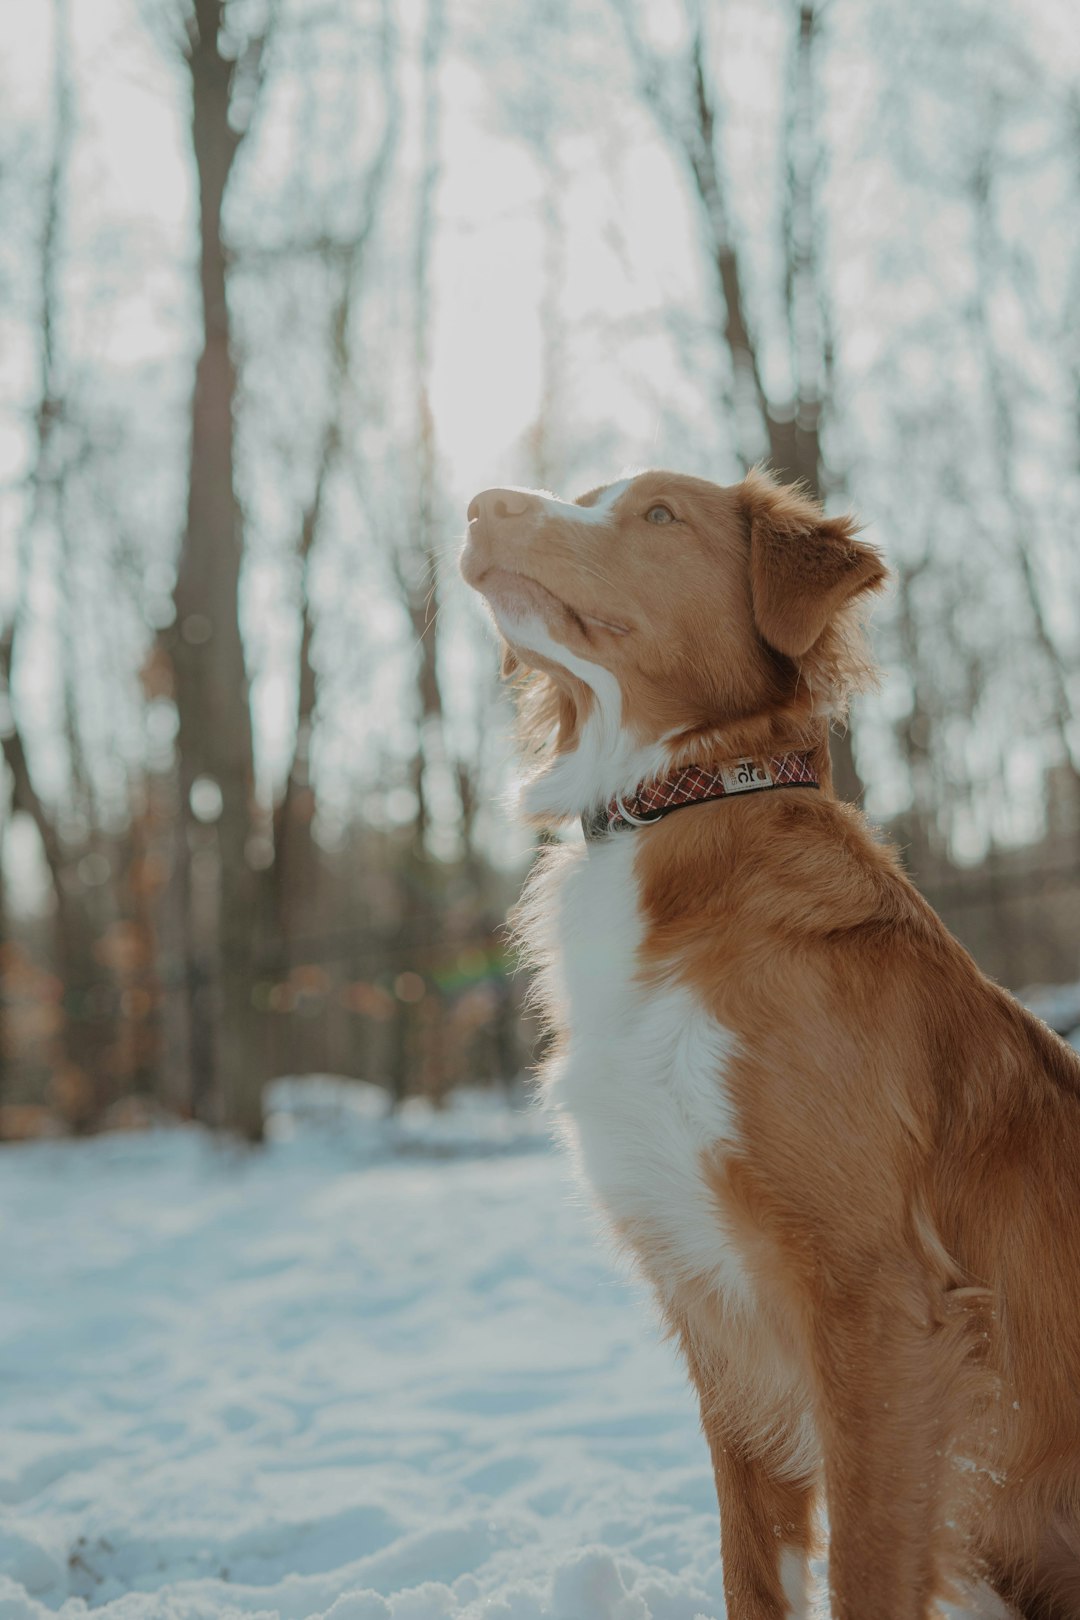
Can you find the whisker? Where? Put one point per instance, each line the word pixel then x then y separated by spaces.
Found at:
pixel 429 624
pixel 447 548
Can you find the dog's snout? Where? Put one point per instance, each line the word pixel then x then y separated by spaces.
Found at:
pixel 512 504
pixel 493 506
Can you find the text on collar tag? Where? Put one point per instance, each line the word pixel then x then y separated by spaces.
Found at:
pixel 744 776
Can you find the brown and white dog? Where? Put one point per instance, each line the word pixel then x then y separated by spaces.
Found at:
pixel 847 1162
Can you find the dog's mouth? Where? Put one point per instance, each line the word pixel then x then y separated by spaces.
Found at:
pixel 515 596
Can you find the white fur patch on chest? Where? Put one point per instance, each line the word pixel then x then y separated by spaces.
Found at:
pixel 639 1085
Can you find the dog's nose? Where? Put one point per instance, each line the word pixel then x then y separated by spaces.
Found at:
pixel 496 505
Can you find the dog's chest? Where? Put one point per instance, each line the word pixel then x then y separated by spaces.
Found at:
pixel 640 1083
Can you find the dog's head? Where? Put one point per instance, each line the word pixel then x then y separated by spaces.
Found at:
pixel 662 615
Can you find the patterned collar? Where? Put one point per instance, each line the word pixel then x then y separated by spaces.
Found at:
pixel 697 784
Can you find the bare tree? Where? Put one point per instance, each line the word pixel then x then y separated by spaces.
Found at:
pixel 1021 522
pixel 417 558
pixel 81 1081
pixel 292 873
pixel 416 569
pixel 681 94
pixel 215 735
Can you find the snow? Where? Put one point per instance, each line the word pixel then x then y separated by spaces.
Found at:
pixel 380 1371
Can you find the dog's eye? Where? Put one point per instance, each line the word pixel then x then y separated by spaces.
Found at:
pixel 659 514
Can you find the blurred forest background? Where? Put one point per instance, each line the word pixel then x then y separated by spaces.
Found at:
pixel 284 282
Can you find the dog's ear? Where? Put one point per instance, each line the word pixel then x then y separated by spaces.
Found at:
pixel 510 663
pixel 804 566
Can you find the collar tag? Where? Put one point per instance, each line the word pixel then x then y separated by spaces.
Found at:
pixel 744 776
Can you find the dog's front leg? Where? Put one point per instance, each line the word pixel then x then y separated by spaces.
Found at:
pixel 765 1536
pixel 883 1424
pixel 765 1520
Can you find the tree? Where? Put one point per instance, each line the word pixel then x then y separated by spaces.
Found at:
pixel 679 89
pixel 416 570
pixel 82 1081
pixel 292 875
pixel 211 685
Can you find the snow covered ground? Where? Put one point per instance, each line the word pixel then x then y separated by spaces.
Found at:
pixel 370 1373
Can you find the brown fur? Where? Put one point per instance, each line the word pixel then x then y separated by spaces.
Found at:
pixel 906 1194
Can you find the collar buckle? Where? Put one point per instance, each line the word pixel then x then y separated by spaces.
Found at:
pixel 635 821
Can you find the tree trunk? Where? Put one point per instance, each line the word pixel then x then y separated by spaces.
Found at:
pixel 81 1080
pixel 987 256
pixel 418 577
pixel 5 816
pixel 215 738
pixel 293 879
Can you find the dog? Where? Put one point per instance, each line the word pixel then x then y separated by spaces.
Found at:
pixel 847 1162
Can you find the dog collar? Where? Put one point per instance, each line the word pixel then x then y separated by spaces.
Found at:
pixel 697 784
